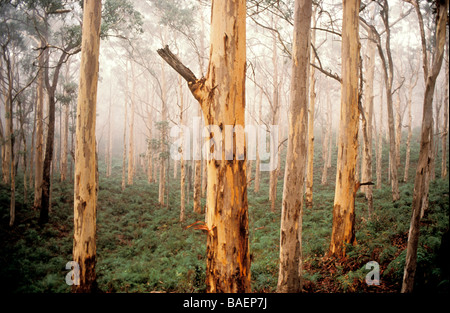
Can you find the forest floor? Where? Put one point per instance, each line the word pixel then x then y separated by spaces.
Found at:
pixel 142 247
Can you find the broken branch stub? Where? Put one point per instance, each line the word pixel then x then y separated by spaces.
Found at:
pixel 176 64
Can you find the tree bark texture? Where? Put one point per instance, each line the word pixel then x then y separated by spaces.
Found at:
pixel 131 136
pixel 49 146
pixel 311 113
pixel 86 175
pixel 444 137
pixel 343 230
pixel 221 95
pixel 290 269
pixel 39 158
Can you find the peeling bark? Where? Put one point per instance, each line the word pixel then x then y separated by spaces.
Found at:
pixel 343 231
pixel 221 96
pixel 86 171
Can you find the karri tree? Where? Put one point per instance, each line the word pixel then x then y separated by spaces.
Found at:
pixel 221 94
pixel 343 231
pixel 86 182
pixel 290 270
pixel 311 110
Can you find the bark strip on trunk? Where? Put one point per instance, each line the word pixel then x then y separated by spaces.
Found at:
pixel 86 175
pixel 343 231
pixel 221 95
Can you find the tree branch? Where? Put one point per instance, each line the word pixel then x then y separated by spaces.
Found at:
pixel 196 86
pixel 327 73
pixel 176 64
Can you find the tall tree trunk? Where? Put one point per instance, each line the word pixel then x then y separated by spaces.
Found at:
pixel 258 160
pixel 251 114
pixel 422 179
pixel 388 70
pixel 131 137
pixel 388 73
pixel 46 174
pixel 358 157
pixel 189 182
pixel 398 129
pixel 392 146
pixel 183 190
pixel 197 180
pixel 197 186
pixel 273 181
pixel 445 125
pixel 3 140
pixel 9 125
pixel 204 177
pixel 167 186
pixel 290 270
pixel 312 100
pixel 228 259
pixel 149 148
pixel 23 111
pixel 32 148
pixel 249 173
pixel 343 231
pixel 326 143
pixel 182 161
pixel 222 98
pixel 435 145
pixel 162 156
pixel 366 166
pixel 408 139
pixel 86 172
pixel 444 139
pixel 330 135
pixel 9 134
pixel 408 143
pixel 65 149
pixel 49 146
pixel 65 132
pixel 109 143
pixel 124 152
pixel 379 154
pixel 6 166
pixel 202 57
pixel 39 158
pixel 3 152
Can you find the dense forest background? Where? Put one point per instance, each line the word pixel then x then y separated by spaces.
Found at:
pixel 148 203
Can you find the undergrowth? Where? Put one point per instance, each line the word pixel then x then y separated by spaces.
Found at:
pixel 142 247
